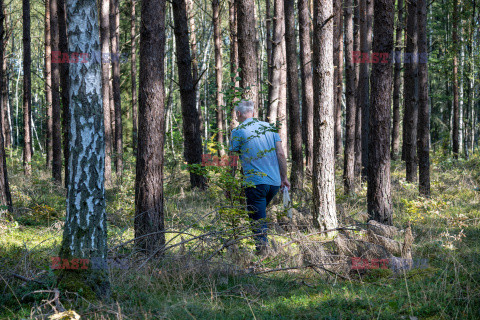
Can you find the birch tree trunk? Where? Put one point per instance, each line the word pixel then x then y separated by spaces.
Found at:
pixel 105 51
pixel 324 154
pixel 85 231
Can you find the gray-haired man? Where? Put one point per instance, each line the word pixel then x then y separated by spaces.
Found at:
pixel 263 162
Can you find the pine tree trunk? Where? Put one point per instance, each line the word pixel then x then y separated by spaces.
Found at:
pixel 217 31
pixel 338 63
pixel 324 152
pixel 366 11
pixel 56 109
pixel 148 183
pixel 397 83
pixel 423 107
pixel 247 57
pixel 133 67
pixel 115 29
pixel 5 114
pixel 27 90
pixel 105 51
pixel 64 82
pixel 232 11
pixel 191 120
pixel 85 231
pixel 379 188
pixel 411 94
pixel 296 174
pixel 5 196
pixel 269 31
pixel 358 110
pixel 307 80
pixel 349 157
pixel 48 85
pixel 456 108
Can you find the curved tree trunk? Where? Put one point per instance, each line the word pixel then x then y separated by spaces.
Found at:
pixel 27 90
pixel 349 157
pixel 296 174
pixel 307 80
pixel 5 196
pixel 191 120
pixel 379 189
pixel 149 175
pixel 85 231
pixel 324 154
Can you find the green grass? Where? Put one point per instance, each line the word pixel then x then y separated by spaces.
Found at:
pixel 184 286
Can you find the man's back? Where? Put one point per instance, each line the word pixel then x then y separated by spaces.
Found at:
pixel 255 141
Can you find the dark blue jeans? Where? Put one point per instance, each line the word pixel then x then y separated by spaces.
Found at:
pixel 257 201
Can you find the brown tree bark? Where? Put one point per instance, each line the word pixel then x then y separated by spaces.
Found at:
pixel 324 212
pixel 105 52
pixel 114 36
pixel 48 85
pixel 338 63
pixel 366 16
pixel 64 84
pixel 397 83
pixel 307 80
pixel 5 196
pixel 56 109
pixel 456 108
pixel 217 36
pixel 27 90
pixel 358 110
pixel 247 57
pixel 296 174
pixel 133 75
pixel 6 125
pixel 423 107
pixel 148 184
pixel 411 93
pixel 191 120
pixel 349 156
pixel 379 189
pixel 232 12
pixel 269 40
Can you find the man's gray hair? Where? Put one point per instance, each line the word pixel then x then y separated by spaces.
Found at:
pixel 244 106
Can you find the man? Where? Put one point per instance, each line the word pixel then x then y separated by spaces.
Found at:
pixel 263 163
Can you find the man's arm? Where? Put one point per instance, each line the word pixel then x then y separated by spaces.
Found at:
pixel 282 164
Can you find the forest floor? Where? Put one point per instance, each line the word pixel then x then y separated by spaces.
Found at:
pixel 204 276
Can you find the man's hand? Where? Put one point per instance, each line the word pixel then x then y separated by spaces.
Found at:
pixel 285 183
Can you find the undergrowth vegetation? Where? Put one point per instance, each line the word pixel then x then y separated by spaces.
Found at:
pixel 209 270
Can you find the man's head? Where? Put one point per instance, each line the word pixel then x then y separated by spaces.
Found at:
pixel 244 110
